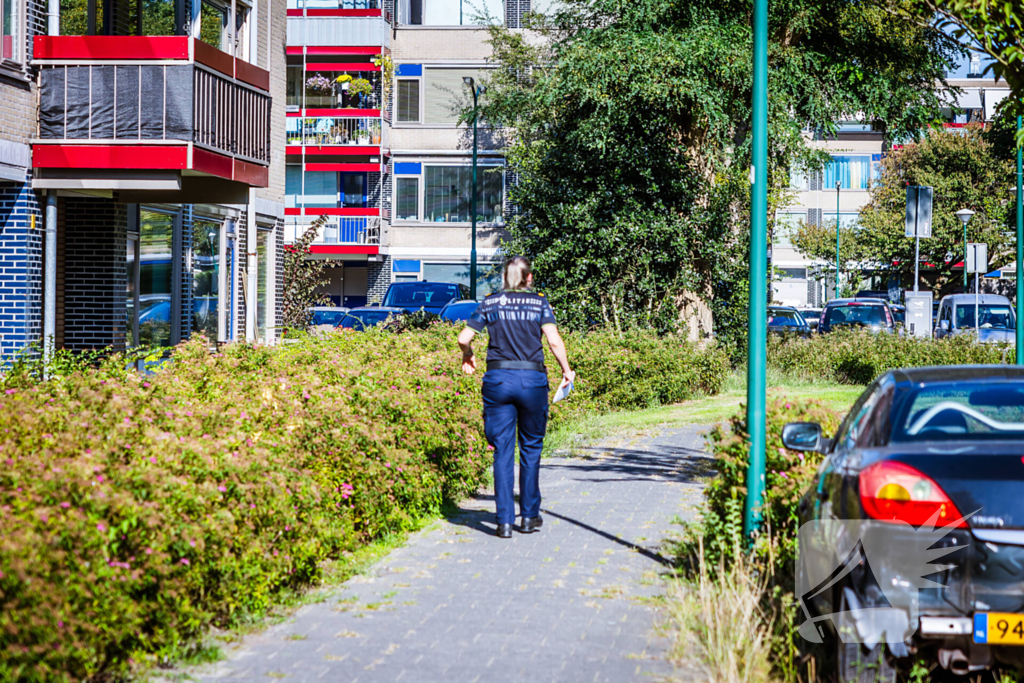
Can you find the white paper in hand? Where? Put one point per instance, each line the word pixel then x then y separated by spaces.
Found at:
pixel 562 392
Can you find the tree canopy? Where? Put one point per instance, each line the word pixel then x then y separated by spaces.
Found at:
pixel 628 127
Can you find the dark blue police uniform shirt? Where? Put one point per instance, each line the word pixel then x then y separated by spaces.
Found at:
pixel 513 321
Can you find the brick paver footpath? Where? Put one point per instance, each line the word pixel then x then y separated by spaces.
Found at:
pixel 457 604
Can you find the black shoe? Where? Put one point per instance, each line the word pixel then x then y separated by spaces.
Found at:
pixel 504 531
pixel 531 524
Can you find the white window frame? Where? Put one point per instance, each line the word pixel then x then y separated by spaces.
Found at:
pixel 18 47
pixel 421 193
pixel 419 105
pixel 425 85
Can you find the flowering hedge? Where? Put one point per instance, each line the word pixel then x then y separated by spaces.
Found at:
pixel 138 511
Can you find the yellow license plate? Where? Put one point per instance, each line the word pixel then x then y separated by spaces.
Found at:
pixel 998 628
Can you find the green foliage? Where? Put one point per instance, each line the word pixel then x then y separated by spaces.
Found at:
pixel 858 357
pixel 139 510
pixel 966 173
pixel 302 278
pixel 788 474
pixel 818 242
pixel 629 134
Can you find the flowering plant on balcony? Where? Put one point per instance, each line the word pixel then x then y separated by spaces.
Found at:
pixel 345 81
pixel 360 86
pixel 320 84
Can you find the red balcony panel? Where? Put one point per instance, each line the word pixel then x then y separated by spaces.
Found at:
pixel 345 168
pixel 152 157
pixel 344 249
pixel 341 66
pixel 110 47
pixel 355 113
pixel 308 211
pixel 293 49
pixel 252 175
pixel 293 149
pixel 252 74
pixel 344 50
pixel 214 58
pixel 339 150
pixel 344 13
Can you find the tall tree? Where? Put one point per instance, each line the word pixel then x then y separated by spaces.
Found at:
pixel 629 129
pixel 966 173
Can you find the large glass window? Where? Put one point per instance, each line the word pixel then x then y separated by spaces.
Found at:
pixel 451 12
pixel 353 190
pixel 786 226
pixel 846 220
pixel 488 275
pixel 447 191
pixel 408 199
pixel 9 30
pixel 293 96
pixel 213 22
pixel 262 237
pixel 205 274
pixel 129 329
pixel 156 230
pixel 157 17
pixel 321 188
pixel 852 173
pixel 408 103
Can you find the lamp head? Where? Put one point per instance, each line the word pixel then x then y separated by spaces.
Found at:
pixel 468 80
pixel 964 215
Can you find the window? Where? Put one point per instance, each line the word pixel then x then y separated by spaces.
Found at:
pixel 320 189
pixel 451 12
pixel 786 225
pixel 408 199
pixel 213 23
pixel 846 220
pixel 205 274
pixel 129 329
pixel 261 284
pixel 488 275
pixel 353 186
pixel 447 191
pixel 9 42
pixel 792 273
pixel 852 172
pixel 408 101
pixel 156 230
pixel 294 91
pixel 446 95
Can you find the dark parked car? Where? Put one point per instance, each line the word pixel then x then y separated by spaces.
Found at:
pixel 873 314
pixel 873 294
pixel 783 320
pixel 428 296
pixel 811 316
pixel 899 313
pixel 328 315
pixel 458 311
pixel 369 316
pixel 912 533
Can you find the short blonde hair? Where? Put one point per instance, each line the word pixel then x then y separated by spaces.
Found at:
pixel 516 273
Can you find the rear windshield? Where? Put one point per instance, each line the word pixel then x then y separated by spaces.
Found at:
pixel 990 316
pixel 460 311
pixel 857 314
pixel 359 319
pixel 414 294
pixel 327 317
pixel 784 318
pixel 964 410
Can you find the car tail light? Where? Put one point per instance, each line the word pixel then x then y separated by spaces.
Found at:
pixel 893 491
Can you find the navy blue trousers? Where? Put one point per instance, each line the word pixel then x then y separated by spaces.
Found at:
pixel 516 400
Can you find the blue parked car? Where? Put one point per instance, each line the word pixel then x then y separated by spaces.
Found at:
pixel 428 296
pixel 459 311
pixel 359 319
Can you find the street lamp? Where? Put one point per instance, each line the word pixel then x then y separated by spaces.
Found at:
pixel 965 216
pixel 838 186
pixel 477 92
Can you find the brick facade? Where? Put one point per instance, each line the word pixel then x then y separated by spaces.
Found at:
pixel 378 277
pixel 21 268
pixel 95 273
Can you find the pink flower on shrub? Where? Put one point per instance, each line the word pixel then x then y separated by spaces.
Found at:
pixel 184 561
pixel 153 459
pixel 145 385
pixel 99 478
pixel 101 527
pixel 784 475
pixel 65 504
pixel 149 551
pixel 490 447
pixel 222 488
pixel 788 406
pixel 11 391
pixel 60 624
pixel 44 517
pixel 192 543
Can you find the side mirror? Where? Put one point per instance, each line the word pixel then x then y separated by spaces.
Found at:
pixel 944 325
pixel 802 436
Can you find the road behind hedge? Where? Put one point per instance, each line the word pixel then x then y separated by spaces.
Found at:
pixel 570 603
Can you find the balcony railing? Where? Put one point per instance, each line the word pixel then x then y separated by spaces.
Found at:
pixel 152 90
pixel 335 131
pixel 339 230
pixel 349 31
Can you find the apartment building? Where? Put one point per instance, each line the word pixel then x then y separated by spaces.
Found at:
pixel 141 171
pixel 856 153
pixel 374 96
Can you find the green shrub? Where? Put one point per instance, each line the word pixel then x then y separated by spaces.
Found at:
pixel 858 357
pixel 788 474
pixel 137 511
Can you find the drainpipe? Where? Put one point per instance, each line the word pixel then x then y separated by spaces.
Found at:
pixel 53 18
pixel 251 265
pixel 50 278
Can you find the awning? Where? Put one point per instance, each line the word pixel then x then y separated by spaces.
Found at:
pixel 969 99
pixel 993 96
pixel 1009 270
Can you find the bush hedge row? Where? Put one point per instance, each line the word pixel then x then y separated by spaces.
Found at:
pixel 858 357
pixel 139 510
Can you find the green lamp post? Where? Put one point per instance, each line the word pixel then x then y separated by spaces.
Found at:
pixel 965 216
pixel 477 92
pixel 757 320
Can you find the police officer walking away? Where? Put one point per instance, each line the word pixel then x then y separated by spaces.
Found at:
pixel 515 387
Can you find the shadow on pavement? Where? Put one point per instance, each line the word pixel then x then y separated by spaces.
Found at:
pixel 665 562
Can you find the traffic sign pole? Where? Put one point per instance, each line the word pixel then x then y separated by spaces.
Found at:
pixel 758 309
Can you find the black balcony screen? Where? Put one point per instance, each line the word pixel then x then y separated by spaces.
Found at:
pixel 124 102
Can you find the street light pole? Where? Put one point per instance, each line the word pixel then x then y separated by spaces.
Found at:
pixel 838 185
pixel 468 80
pixel 1020 252
pixel 965 215
pixel 758 309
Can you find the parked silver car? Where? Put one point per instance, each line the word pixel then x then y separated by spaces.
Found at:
pixel 996 319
